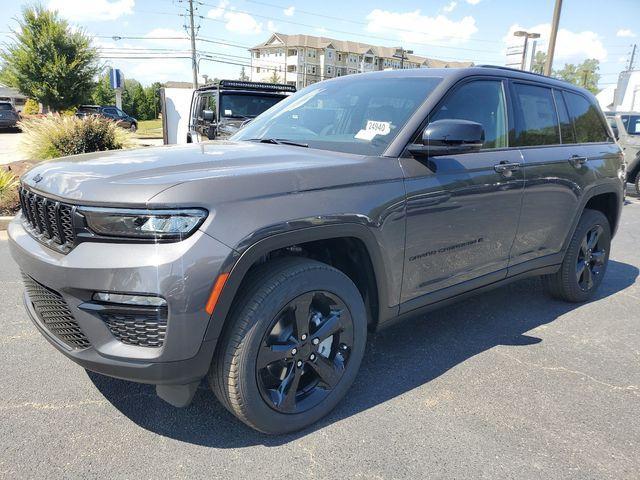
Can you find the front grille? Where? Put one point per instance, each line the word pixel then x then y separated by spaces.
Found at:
pixel 144 330
pixel 54 313
pixel 49 221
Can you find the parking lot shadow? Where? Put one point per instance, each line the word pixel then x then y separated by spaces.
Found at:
pixel 398 359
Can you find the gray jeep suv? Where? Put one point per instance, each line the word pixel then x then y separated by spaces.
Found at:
pixel 262 262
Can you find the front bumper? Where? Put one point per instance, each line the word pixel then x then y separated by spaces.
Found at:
pixel 182 273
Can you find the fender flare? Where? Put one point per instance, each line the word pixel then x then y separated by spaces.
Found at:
pixel 239 264
pixel 596 190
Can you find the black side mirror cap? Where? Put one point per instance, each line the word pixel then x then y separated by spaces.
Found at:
pixel 448 137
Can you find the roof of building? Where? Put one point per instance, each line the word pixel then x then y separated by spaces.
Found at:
pixel 312 41
pixel 10 92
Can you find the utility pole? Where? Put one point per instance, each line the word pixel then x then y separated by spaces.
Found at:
pixel 552 38
pixel 401 54
pixel 194 63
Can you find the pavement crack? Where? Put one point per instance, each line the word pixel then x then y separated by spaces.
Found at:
pixel 628 388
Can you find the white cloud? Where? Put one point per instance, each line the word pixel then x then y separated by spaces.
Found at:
pixel 236 22
pixel 473 2
pixel 571 47
pixel 289 11
pixel 625 32
pixel 272 27
pixel 415 27
pixel 450 6
pixel 92 11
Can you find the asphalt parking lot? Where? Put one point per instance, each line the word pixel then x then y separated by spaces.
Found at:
pixel 510 384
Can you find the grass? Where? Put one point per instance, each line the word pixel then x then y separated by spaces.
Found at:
pixel 149 128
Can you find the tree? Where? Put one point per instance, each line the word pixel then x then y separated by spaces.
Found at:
pixel 50 62
pixel 584 74
pixel 243 75
pixel 274 78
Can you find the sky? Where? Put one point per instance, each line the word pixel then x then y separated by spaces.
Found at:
pixel 476 30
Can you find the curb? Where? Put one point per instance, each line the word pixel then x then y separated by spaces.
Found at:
pixel 4 222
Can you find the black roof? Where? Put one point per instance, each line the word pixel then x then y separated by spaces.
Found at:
pixel 248 86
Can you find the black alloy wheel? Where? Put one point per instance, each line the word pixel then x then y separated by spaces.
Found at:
pixel 591 258
pixel 292 345
pixel 585 260
pixel 305 352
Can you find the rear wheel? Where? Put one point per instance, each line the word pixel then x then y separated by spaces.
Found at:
pixel 293 345
pixel 585 261
pixel 637 183
pixel 133 128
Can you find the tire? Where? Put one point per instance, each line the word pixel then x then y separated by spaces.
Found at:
pixel 133 128
pixel 235 375
pixel 637 183
pixel 568 283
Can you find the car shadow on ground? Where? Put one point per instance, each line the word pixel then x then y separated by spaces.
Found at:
pixel 398 359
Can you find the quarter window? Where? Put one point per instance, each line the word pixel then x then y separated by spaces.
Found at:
pixel 481 101
pixel 588 122
pixel 537 121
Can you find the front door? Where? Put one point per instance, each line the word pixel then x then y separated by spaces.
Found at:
pixel 463 210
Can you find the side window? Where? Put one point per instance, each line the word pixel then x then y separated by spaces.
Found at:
pixel 536 118
pixel 567 135
pixel 480 101
pixel 586 118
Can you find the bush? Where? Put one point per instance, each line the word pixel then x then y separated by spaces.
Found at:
pixel 31 107
pixel 9 201
pixel 59 136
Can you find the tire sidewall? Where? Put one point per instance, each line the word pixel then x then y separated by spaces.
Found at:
pixel 590 219
pixel 258 412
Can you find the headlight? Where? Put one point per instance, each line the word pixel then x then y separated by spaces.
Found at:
pixel 143 224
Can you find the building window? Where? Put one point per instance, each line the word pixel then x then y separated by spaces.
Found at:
pixel 257 54
pixel 329 70
pixel 330 54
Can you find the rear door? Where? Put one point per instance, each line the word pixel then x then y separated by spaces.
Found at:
pixel 558 166
pixel 463 210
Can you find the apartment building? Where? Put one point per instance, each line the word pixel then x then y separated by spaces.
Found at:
pixel 301 60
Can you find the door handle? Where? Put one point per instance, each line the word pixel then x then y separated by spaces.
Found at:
pixel 506 168
pixel 577 160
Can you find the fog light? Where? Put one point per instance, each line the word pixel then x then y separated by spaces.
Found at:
pixel 140 300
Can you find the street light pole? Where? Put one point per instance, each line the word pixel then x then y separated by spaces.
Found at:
pixel 402 55
pixel 527 36
pixel 552 38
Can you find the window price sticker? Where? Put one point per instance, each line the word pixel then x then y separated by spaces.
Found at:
pixel 372 129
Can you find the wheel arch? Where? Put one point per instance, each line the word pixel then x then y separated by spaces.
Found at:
pixel 240 264
pixel 606 198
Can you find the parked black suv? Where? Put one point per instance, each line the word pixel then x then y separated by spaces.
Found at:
pixel 262 262
pixel 218 110
pixel 108 111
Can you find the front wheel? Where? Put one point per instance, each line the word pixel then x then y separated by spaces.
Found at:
pixel 133 128
pixel 293 345
pixel 585 261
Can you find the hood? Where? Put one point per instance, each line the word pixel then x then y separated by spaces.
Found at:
pixel 231 169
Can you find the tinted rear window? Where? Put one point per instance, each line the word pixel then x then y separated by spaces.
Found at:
pixel 586 118
pixel 537 121
pixel 6 106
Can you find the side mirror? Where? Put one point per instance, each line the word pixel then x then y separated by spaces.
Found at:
pixel 449 137
pixel 208 115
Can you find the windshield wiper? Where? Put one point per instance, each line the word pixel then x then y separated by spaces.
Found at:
pixel 279 141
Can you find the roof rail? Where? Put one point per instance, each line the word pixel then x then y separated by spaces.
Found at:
pixel 516 70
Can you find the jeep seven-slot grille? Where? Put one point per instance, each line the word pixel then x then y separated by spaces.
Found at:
pixel 49 221
pixel 54 313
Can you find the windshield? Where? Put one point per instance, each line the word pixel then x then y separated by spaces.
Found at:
pixel 631 124
pixel 358 116
pixel 6 106
pixel 246 105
